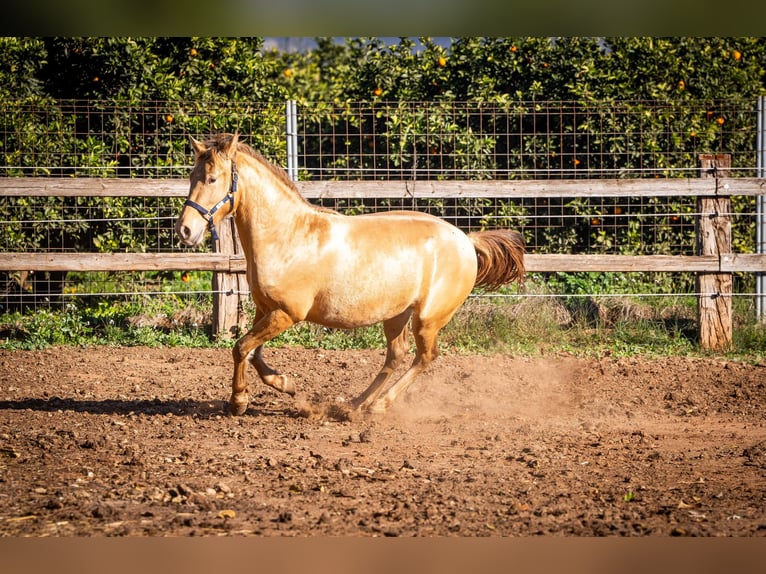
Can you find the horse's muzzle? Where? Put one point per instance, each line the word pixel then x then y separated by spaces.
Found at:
pixel 189 234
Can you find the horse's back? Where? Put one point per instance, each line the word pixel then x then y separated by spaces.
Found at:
pixel 411 230
pixel 412 222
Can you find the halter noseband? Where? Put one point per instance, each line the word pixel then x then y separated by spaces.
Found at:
pixel 207 214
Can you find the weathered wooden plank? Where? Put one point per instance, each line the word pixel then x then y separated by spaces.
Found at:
pixel 92 187
pixel 120 262
pixel 530 188
pixel 741 186
pixel 127 187
pixel 743 263
pixel 226 263
pixel 619 263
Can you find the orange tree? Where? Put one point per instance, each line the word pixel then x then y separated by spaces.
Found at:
pixel 636 106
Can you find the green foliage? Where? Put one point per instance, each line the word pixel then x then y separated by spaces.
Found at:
pixel 503 70
pixel 158 69
pixel 105 323
pixel 21 63
pixel 567 108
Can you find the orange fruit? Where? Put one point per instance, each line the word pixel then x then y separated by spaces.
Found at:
pixel 377 91
pixel 442 61
pixel 720 121
pixel 737 54
pixel 193 52
pixel 288 72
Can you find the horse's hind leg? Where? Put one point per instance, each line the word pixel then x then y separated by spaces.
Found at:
pixel 397 345
pixel 425 334
pixel 265 328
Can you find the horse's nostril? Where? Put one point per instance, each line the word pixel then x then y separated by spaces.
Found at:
pixel 184 232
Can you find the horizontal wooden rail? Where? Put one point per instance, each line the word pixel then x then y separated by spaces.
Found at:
pixel 623 263
pixel 534 188
pixel 121 262
pixel 236 263
pixel 92 187
pixel 506 189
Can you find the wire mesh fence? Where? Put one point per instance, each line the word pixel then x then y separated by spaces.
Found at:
pixel 88 138
pixel 384 140
pixel 522 140
pixel 411 141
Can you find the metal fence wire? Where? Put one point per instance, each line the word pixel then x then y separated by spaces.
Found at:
pixel 361 141
pixel 383 140
pixel 525 140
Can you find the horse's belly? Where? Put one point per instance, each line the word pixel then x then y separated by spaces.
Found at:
pixel 359 307
pixel 368 294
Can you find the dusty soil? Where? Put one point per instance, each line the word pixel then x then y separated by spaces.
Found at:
pixel 136 441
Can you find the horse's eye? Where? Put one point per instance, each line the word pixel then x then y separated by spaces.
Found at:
pixel 211 179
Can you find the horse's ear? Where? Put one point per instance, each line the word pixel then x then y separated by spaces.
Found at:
pixel 197 146
pixel 231 146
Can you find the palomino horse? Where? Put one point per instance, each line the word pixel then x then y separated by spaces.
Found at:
pixel 306 263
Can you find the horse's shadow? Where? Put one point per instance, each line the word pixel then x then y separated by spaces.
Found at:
pixel 208 409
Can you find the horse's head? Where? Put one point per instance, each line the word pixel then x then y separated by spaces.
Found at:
pixel 212 190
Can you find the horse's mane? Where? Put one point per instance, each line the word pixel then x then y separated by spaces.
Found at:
pixel 219 142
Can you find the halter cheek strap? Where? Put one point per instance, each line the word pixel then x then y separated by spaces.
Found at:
pixel 208 214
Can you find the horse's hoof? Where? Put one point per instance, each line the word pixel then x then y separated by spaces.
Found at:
pixel 281 383
pixel 379 407
pixel 238 406
pixel 288 386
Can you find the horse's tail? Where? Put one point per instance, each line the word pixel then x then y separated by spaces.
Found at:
pixel 500 255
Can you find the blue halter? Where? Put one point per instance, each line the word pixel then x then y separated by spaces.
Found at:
pixel 207 214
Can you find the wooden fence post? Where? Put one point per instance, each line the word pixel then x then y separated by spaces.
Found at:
pixel 229 289
pixel 714 238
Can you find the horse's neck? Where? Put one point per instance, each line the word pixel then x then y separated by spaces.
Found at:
pixel 269 207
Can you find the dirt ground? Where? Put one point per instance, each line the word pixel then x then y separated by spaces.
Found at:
pixel 137 442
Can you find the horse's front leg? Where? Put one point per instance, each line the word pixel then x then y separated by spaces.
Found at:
pixel 270 376
pixel 265 328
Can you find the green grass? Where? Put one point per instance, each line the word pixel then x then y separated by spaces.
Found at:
pixel 542 325
pixel 310 335
pixel 519 325
pixel 146 323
